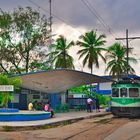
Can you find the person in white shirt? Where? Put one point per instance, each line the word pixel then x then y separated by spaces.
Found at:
pixel 89 104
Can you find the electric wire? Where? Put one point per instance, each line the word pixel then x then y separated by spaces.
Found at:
pixel 59 18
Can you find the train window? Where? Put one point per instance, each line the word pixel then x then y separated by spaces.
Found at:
pixel 123 92
pixel 115 92
pixel 133 92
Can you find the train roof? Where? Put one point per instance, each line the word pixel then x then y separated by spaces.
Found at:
pixel 130 76
pixel 127 81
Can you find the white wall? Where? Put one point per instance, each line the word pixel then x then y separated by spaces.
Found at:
pixel 105 86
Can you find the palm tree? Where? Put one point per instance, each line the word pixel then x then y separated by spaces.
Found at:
pixel 117 61
pixel 91 51
pixel 60 56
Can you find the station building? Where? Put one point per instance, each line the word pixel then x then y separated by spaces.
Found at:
pixel 52 85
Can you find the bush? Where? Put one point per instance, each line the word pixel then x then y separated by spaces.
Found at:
pixel 104 100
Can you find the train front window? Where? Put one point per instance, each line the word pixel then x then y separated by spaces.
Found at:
pixel 115 92
pixel 133 92
pixel 123 92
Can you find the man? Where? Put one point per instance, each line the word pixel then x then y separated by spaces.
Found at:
pixel 89 104
pixel 97 104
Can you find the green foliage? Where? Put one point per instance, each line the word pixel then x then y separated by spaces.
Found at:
pixel 91 50
pixel 22 33
pixel 59 56
pixel 84 89
pixel 117 61
pixel 7 128
pixel 104 99
pixel 80 89
pixel 6 96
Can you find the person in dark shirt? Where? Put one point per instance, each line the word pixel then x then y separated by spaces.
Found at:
pixel 97 104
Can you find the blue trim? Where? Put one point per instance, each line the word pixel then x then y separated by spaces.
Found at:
pixel 104 92
pixel 8 110
pixel 24 117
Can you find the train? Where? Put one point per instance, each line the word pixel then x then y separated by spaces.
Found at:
pixel 125 98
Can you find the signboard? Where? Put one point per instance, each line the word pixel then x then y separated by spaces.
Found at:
pixel 6 88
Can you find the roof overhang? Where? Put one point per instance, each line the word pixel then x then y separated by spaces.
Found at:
pixel 56 81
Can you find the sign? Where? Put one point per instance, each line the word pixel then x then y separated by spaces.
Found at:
pixel 6 88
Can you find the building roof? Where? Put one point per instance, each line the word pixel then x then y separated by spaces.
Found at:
pixel 55 81
pixel 124 77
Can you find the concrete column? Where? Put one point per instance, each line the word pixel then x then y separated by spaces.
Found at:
pixel 63 98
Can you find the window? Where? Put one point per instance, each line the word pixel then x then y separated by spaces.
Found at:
pixel 115 92
pixel 123 92
pixel 44 96
pixel 133 92
pixel 35 96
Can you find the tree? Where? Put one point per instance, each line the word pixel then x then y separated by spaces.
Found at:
pixel 91 50
pixel 59 55
pixel 21 34
pixel 6 96
pixel 117 61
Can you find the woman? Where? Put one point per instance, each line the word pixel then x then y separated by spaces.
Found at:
pixel 47 107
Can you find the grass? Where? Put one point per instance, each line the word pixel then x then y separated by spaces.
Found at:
pixel 47 126
pixel 7 128
pixel 103 121
pixel 55 125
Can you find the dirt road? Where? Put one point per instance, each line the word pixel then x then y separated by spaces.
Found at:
pixel 88 129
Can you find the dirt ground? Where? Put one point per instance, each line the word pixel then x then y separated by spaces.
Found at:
pixel 88 129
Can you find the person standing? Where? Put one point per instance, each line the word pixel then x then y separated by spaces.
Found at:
pixel 97 104
pixel 89 104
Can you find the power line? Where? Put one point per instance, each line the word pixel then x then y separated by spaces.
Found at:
pixel 94 12
pixel 60 19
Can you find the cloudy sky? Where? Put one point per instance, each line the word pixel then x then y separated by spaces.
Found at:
pixel 74 17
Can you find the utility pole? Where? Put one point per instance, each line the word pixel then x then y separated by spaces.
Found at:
pixel 50 19
pixel 127 47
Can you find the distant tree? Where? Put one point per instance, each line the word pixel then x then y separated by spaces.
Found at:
pixel 117 61
pixel 59 55
pixel 7 95
pixel 22 32
pixel 91 50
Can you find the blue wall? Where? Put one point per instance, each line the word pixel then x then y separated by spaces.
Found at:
pixel 22 105
pixel 98 91
pixel 55 99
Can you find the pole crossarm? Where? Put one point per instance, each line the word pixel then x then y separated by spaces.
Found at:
pixel 127 47
pixel 137 37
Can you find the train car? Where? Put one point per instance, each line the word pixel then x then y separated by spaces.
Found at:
pixel 125 100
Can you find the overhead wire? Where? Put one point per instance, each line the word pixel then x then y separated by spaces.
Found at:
pixel 94 12
pixel 57 17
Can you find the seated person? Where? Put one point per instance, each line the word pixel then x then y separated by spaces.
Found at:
pixel 47 107
pixel 30 106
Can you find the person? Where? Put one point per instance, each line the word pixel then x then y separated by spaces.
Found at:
pixel 89 104
pixel 35 105
pixel 30 106
pixel 47 107
pixel 97 104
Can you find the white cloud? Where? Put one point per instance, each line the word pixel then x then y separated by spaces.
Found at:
pixel 118 14
pixel 72 33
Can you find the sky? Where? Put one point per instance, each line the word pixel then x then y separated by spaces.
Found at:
pixel 72 18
